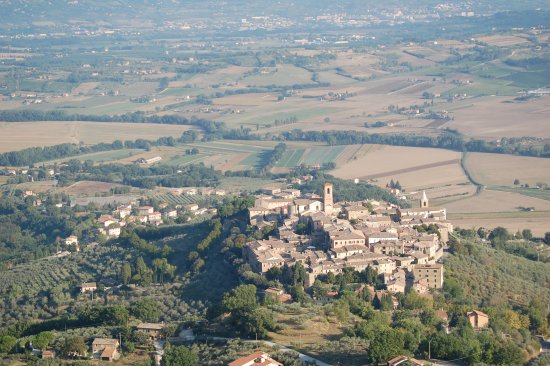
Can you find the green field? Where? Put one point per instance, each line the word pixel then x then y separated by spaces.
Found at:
pixel 107 156
pixel 176 200
pixel 531 192
pixel 530 80
pixel 291 158
pixel 322 154
pixel 182 160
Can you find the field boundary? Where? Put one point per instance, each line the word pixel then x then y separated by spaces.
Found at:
pixel 411 169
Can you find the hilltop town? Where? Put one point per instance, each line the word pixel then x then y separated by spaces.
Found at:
pixel 402 244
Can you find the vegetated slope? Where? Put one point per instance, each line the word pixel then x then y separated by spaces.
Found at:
pixel 492 277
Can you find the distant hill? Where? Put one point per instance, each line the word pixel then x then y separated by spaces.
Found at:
pixel 51 13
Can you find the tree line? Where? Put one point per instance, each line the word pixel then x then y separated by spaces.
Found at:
pixel 449 139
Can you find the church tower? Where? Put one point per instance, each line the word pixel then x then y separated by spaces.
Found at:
pixel 327 198
pixel 424 200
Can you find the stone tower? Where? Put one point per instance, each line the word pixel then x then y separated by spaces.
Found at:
pixel 424 200
pixel 327 198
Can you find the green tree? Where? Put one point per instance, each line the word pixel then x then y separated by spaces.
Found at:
pixel 43 339
pixel 318 289
pixel 387 344
pixel 146 309
pixel 527 234
pixel 74 347
pixel 126 273
pixel 242 298
pixel 7 343
pixel 180 356
pixel 547 238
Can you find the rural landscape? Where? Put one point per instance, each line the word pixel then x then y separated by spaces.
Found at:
pixel 290 183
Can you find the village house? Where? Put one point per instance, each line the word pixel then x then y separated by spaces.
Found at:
pixel 431 273
pixel 478 319
pixel 113 231
pixel 192 207
pixel 356 212
pixel 88 287
pixel 189 191
pixel 258 358
pixel 123 211
pixel 379 236
pixel 72 241
pixel 170 213
pixel 265 254
pixel 106 220
pixel 105 349
pixel 145 210
pixel 346 236
pixel 155 331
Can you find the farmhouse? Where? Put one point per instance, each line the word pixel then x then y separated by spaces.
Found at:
pixel 155 331
pixel 105 349
pixel 88 287
pixel 72 241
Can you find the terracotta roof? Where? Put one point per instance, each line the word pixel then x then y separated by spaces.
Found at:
pixel 262 357
pixel 153 326
pixel 106 341
pixel 108 352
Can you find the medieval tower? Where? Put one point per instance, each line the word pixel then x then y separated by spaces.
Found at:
pixel 328 201
pixel 424 200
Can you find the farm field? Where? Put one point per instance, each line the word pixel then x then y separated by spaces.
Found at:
pixel 538 222
pixel 17 136
pixel 88 188
pixel 391 161
pixel 501 170
pixel 239 184
pixel 495 201
pixel 491 117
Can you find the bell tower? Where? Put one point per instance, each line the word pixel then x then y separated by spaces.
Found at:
pixel 424 200
pixel 328 201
